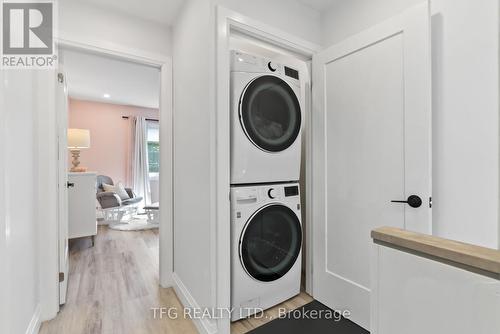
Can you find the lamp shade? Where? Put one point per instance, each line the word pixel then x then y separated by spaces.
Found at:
pixel 78 138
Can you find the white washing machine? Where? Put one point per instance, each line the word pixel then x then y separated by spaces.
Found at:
pixel 266 242
pixel 266 120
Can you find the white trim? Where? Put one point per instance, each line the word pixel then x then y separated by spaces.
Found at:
pixel 35 323
pixel 166 197
pixel 225 21
pixel 309 185
pixel 202 324
pixel 166 176
pixel 109 49
pixel 5 253
pixel 265 32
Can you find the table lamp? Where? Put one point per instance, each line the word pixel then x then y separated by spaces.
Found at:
pixel 78 139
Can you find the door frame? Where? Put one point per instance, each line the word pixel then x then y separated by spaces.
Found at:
pixel 62 178
pixel 226 21
pixel 164 64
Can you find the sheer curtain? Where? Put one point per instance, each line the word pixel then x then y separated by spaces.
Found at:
pixel 140 166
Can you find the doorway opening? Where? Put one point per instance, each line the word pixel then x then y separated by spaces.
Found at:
pixel 113 162
pixel 141 259
pixel 249 46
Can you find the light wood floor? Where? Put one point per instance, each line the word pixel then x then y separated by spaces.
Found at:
pixel 113 286
pixel 246 325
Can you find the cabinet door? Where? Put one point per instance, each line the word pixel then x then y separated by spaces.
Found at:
pixel 82 211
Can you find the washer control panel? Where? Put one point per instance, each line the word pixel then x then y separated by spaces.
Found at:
pixel 265 193
pixel 245 200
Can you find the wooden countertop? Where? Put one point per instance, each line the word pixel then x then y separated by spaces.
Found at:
pixel 461 253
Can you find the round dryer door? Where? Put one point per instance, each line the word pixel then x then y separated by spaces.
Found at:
pixel 270 243
pixel 270 113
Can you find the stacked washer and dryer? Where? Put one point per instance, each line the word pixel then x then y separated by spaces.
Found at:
pixel 266 230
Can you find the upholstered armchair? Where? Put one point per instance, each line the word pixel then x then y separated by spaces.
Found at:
pixel 110 202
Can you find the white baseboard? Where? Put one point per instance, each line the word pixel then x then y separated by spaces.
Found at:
pixel 203 325
pixel 34 326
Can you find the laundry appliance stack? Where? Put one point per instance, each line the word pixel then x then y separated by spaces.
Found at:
pixel 266 229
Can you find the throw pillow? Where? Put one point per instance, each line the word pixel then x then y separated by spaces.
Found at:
pixel 118 189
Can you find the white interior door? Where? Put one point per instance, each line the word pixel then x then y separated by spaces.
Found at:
pixel 371 145
pixel 62 126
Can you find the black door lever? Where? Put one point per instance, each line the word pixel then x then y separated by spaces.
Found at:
pixel 414 201
pixel 70 184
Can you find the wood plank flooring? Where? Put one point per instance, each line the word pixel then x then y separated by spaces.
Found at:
pixel 113 286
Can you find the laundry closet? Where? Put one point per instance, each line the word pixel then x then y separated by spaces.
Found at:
pixel 269 88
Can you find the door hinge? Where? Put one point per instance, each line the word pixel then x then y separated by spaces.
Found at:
pixel 60 77
pixel 61 277
pixel 430 202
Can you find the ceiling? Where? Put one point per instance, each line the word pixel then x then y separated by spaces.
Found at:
pixel 319 4
pixel 90 77
pixel 162 12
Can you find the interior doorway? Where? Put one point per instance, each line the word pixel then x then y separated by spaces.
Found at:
pixel 158 143
pixel 229 23
pixel 110 113
pixel 247 44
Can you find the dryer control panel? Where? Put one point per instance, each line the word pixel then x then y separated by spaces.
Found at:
pixel 291 191
pixel 244 62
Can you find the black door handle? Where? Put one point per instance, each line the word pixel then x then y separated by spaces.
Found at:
pixel 414 201
pixel 70 184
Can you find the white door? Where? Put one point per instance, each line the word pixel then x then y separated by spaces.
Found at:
pixel 62 125
pixel 371 145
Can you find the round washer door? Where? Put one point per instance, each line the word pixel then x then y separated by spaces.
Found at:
pixel 270 113
pixel 271 243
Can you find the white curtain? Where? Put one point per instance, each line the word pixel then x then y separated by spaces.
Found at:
pixel 140 166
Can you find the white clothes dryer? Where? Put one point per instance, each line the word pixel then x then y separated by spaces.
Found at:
pixel 266 120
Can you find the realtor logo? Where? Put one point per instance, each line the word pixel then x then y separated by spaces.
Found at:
pixel 28 35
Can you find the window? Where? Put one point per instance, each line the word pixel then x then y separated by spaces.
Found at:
pixel 154 156
pixel 153 148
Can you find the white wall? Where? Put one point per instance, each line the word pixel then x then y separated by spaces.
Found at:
pixel 19 209
pixel 466 122
pixel 465 36
pixel 93 25
pixel 287 15
pixel 192 154
pixel 346 18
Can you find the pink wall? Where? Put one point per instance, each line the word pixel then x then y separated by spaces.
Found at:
pixel 110 136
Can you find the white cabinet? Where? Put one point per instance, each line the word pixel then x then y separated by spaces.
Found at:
pixel 82 208
pixel 413 294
